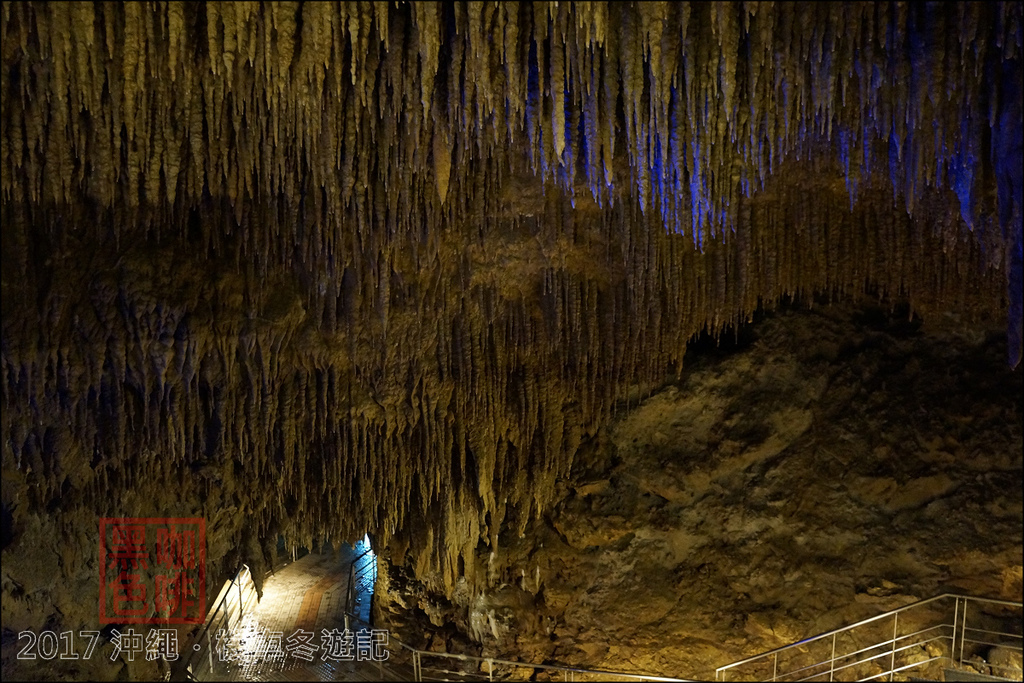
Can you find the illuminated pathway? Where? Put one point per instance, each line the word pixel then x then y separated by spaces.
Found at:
pixel 308 595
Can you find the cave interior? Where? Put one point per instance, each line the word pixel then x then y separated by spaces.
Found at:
pixel 445 274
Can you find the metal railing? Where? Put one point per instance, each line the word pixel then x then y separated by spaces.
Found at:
pixel 936 632
pixel 406 662
pixel 233 602
pixel 362 577
pixel 503 669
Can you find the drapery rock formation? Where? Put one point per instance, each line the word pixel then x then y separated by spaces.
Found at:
pixel 314 269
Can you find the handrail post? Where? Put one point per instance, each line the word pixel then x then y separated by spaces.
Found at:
pixel 832 662
pixel 892 657
pixel 490 670
pixel 963 632
pixel 775 667
pixel 956 618
pixel 349 603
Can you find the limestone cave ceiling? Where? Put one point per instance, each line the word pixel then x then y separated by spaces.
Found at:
pixel 345 265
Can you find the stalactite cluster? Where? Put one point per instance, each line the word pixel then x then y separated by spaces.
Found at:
pixel 384 261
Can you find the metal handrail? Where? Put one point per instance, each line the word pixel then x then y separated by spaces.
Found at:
pixel 418 654
pixel 217 614
pixel 959 615
pixel 350 604
pixel 874 646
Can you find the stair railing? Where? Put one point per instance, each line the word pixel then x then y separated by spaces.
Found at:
pixel 944 638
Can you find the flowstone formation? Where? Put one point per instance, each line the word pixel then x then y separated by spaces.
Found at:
pixel 315 269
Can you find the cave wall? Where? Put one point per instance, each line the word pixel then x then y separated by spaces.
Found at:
pixel 314 269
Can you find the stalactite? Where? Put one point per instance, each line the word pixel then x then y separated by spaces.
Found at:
pixel 355 233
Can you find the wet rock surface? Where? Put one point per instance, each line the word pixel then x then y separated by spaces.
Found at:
pixel 844 462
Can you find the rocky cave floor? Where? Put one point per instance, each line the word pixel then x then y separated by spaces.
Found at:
pixel 831 465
